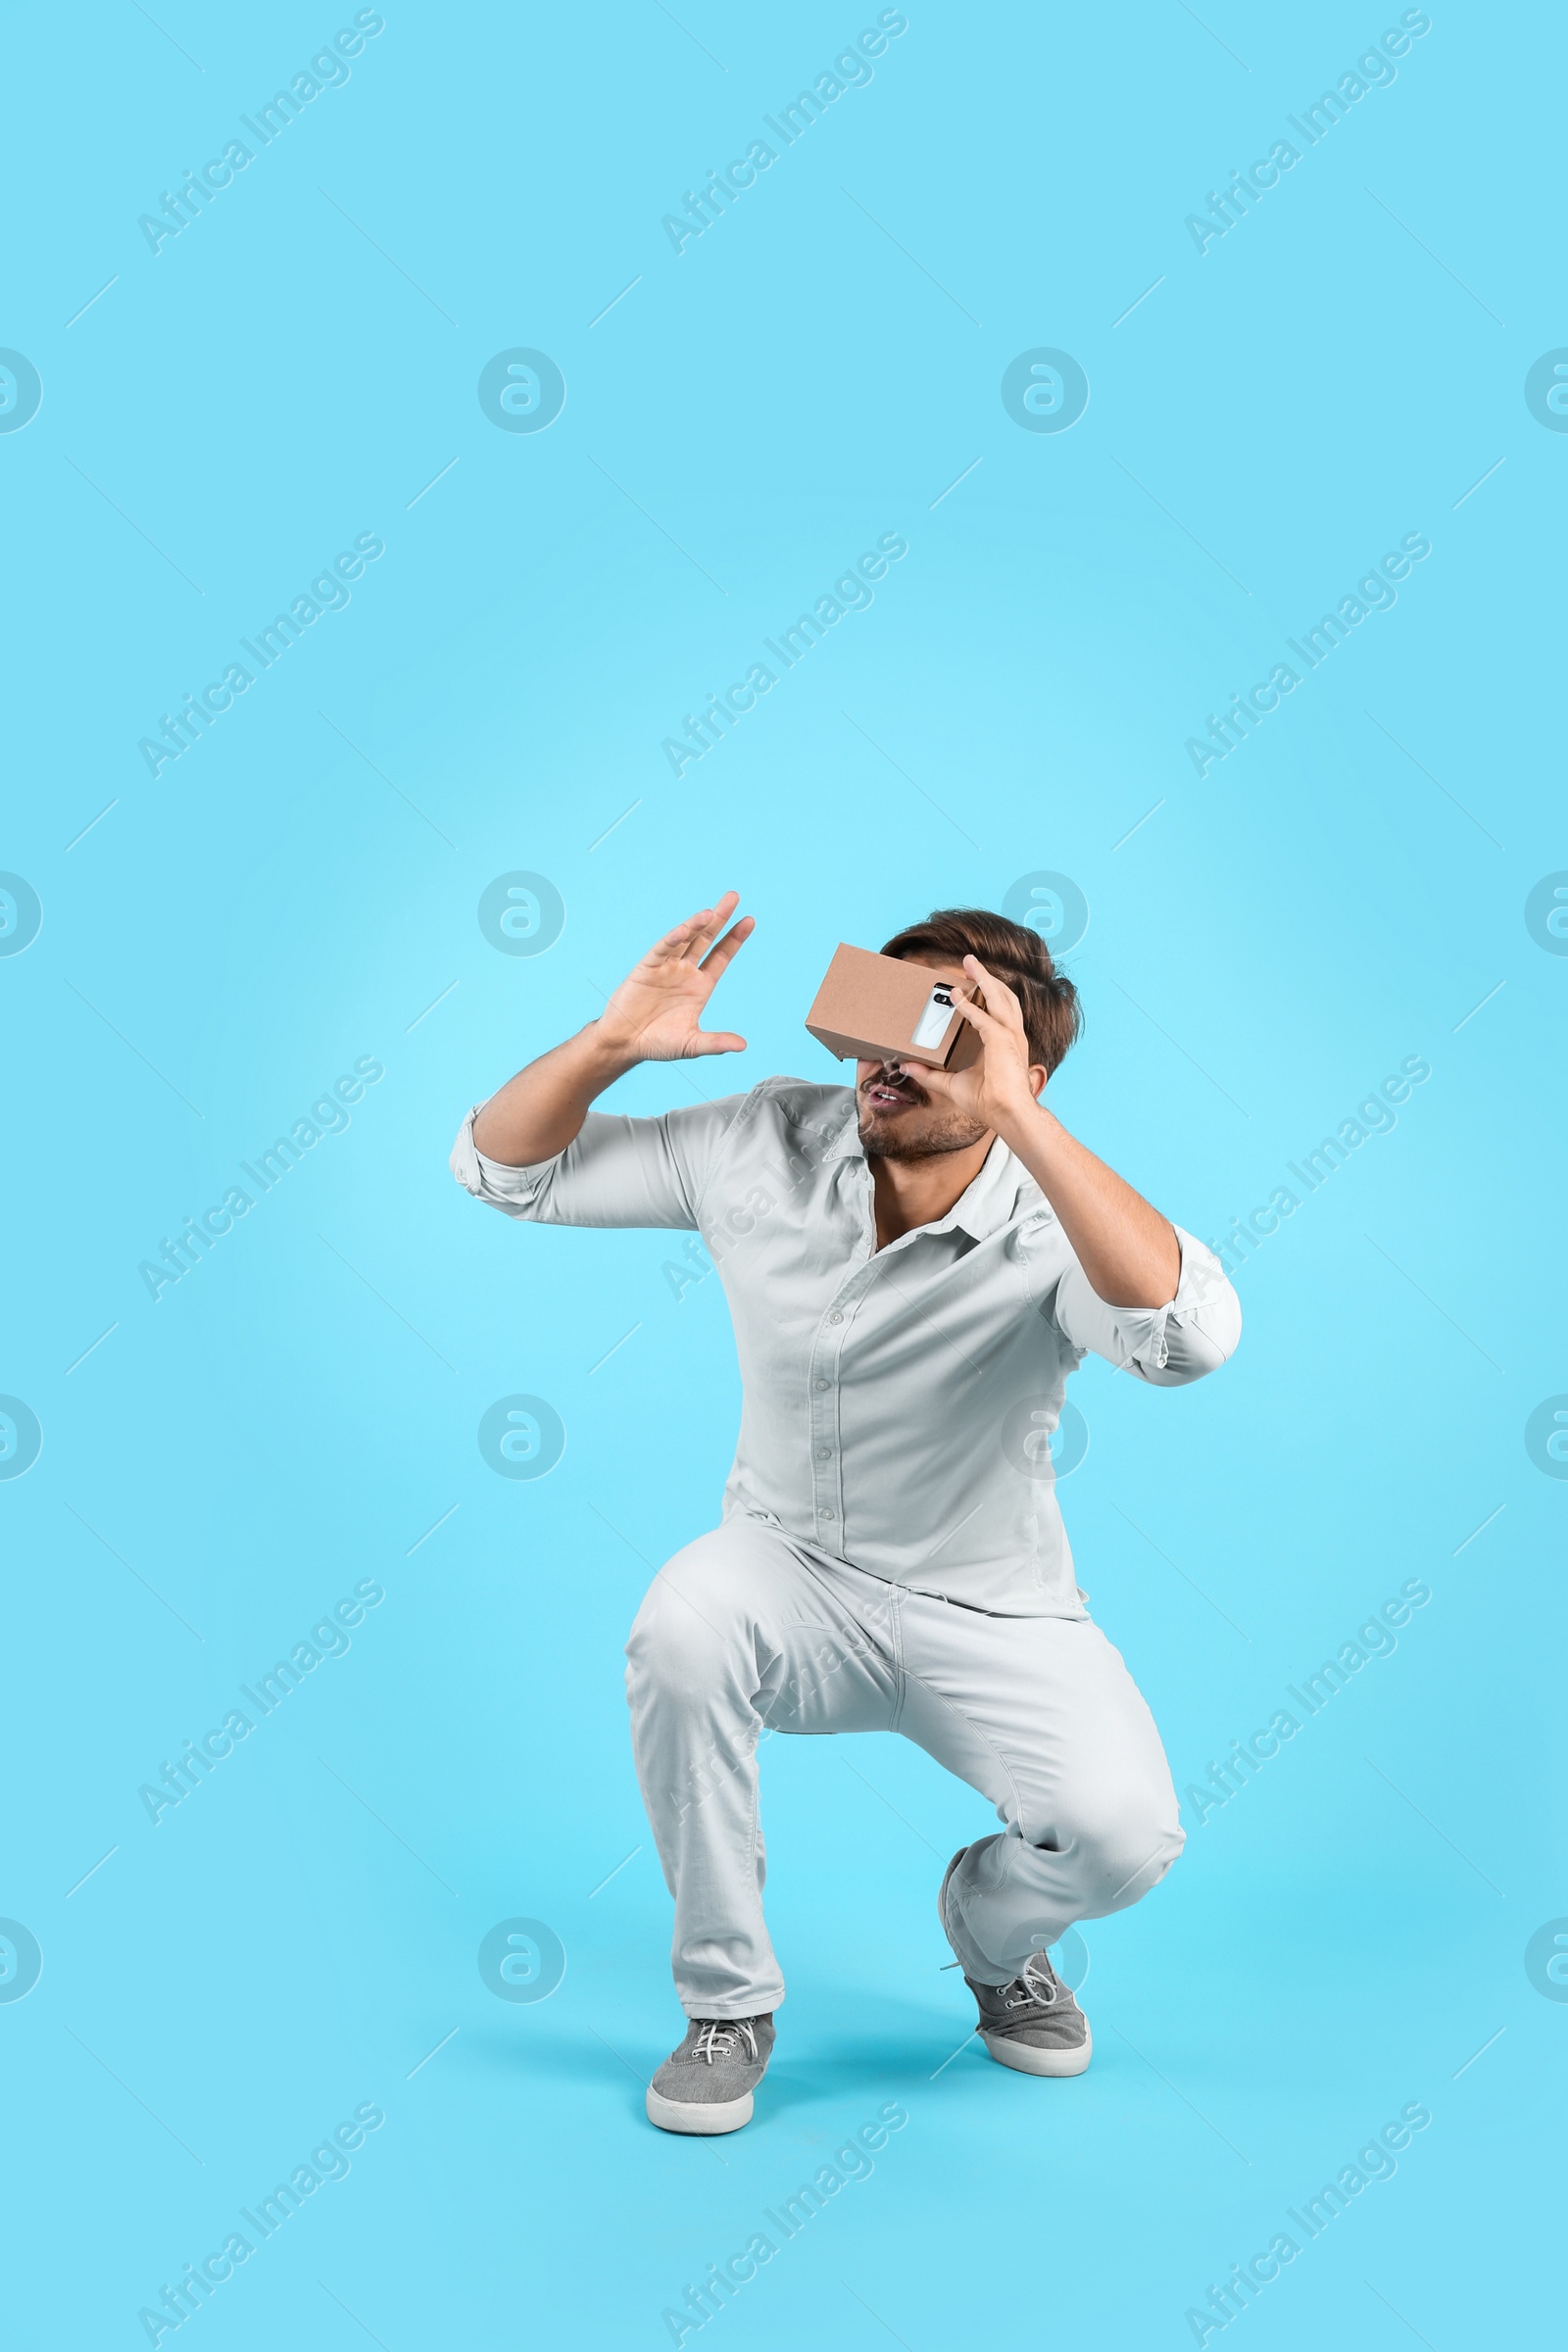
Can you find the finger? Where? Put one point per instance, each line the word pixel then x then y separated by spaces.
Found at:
pixel 1000 992
pixel 709 924
pixel 734 939
pixel 1000 998
pixel 715 1041
pixel 674 944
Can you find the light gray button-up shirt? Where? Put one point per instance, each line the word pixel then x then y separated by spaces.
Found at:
pixel 899 1403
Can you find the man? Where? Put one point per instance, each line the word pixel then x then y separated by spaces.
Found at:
pixel 913 1269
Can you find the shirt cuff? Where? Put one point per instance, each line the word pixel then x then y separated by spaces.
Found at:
pixel 1142 1336
pixel 1201 1324
pixel 1194 1331
pixel 491 1180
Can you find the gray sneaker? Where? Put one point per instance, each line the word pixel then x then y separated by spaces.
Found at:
pixel 706 2085
pixel 1032 2025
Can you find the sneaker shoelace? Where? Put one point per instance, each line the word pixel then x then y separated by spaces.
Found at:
pixel 722 2038
pixel 1034 1988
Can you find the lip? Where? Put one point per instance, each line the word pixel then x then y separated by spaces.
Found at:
pixel 887 1098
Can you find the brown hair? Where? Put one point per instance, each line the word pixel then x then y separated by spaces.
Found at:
pixel 1051 1015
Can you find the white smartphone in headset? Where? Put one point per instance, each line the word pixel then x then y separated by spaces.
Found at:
pixel 937 1012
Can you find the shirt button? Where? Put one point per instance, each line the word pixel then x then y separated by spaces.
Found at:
pixel 835 1317
pixel 821 1384
pixel 824 1454
pixel 824 1510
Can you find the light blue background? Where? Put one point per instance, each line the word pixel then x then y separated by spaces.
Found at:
pixel 300 890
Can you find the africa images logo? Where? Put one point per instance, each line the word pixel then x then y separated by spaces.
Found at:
pixel 20 1960
pixel 1045 390
pixel 21 391
pixel 522 1436
pixel 20 1437
pixel 521 390
pixel 521 1960
pixel 20 912
pixel 1546 1436
pixel 1545 390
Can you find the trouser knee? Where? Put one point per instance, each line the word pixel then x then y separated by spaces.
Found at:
pixel 682 1649
pixel 1120 1853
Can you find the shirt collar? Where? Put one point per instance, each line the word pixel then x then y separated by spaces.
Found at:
pixel 991 1200
pixel 987 1204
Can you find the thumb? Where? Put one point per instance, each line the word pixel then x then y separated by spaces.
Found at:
pixel 715 1041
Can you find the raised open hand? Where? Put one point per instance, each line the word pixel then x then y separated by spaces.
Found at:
pixel 656 1012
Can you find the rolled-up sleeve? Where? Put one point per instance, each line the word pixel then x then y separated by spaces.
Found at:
pixel 620 1171
pixel 1167 1346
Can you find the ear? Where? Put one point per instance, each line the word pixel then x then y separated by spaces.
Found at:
pixel 1039 1078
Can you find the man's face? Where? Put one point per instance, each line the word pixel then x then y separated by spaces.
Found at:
pixel 906 1111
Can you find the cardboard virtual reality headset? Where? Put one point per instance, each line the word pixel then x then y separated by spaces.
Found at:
pixel 880 1008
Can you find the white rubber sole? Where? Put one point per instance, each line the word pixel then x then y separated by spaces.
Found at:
pixel 717 2114
pixel 1025 2060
